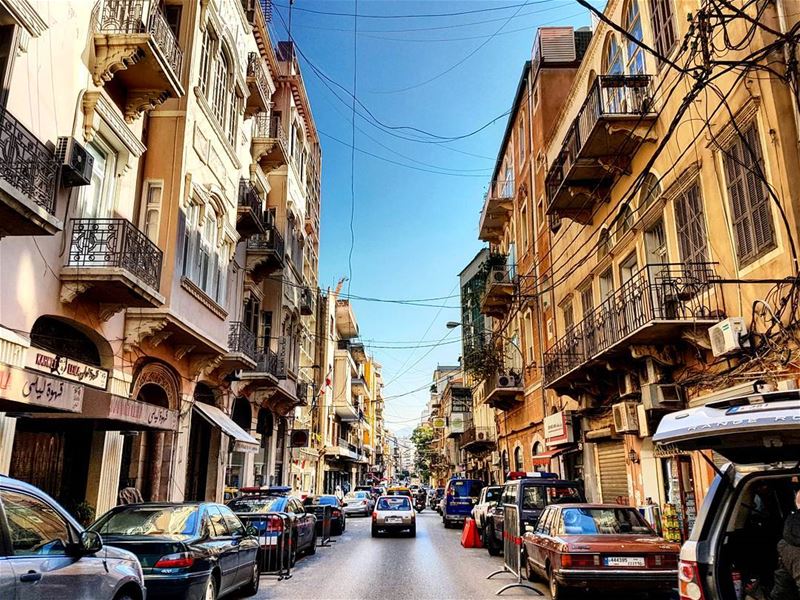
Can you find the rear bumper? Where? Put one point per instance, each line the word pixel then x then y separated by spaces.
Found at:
pixel 357 510
pixel 187 586
pixel 455 518
pixel 619 578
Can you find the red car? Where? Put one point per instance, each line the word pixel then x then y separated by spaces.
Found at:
pixel 599 547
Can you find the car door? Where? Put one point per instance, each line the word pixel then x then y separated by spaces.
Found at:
pixel 305 530
pixel 247 546
pixel 7 578
pixel 38 557
pixel 538 551
pixel 224 547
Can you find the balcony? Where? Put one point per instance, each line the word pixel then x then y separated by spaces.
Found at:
pixel 259 86
pixel 265 253
pixel 241 345
pixel 500 290
pixel 346 323
pixel 503 390
pixel 344 450
pixel 116 260
pixel 270 145
pixel 306 301
pixel 497 208
pixel 254 7
pixel 28 181
pixel 615 119
pixel 346 411
pixel 478 439
pixel 655 306
pixel 250 210
pixel 134 46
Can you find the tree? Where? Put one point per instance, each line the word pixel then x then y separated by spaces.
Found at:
pixel 422 438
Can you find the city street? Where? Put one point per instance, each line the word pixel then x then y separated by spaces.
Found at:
pixel 432 565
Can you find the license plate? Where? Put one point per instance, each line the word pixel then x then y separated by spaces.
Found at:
pixel 624 561
pixel 394 520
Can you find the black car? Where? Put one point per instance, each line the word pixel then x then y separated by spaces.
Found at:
pixel 190 551
pixel 255 506
pixel 338 519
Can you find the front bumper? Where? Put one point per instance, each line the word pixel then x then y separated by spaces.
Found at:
pixel 639 579
pixel 183 586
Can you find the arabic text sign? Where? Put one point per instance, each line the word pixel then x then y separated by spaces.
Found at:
pixel 141 413
pixel 61 366
pixel 35 389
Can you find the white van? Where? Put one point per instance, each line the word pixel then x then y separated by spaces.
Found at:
pixel 732 546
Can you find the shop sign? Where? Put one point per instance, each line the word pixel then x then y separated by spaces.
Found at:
pixel 35 389
pixel 298 438
pixel 458 422
pixel 117 408
pixel 61 366
pixel 558 429
pixel 439 422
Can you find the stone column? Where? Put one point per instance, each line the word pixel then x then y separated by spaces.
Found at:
pixel 273 450
pixel 8 427
pixel 104 466
pixel 177 484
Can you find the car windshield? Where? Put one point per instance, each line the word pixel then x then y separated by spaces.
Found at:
pixel 493 494
pixel 603 521
pixel 465 489
pixel 256 504
pixel 396 503
pixel 178 521
pixel 538 496
pixel 400 492
pixel 357 496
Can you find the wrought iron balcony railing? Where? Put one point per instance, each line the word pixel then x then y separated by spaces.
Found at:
pixel 266 362
pixel 26 164
pixel 140 16
pixel 271 240
pixel 259 99
pixel 658 294
pixel 270 126
pixel 306 301
pixel 249 198
pixel 242 340
pixel 115 243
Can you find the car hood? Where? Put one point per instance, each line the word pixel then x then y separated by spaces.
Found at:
pixel 755 429
pixel 618 543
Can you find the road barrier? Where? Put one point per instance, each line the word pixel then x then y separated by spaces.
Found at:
pixel 512 550
pixel 275 543
pixel 324 514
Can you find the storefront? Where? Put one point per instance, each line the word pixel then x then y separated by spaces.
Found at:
pixel 563 455
pixel 679 508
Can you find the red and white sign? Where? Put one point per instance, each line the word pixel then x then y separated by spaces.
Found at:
pixel 558 429
pixel 61 366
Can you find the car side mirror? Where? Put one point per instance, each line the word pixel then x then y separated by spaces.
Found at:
pixel 528 528
pixel 90 543
pixel 251 531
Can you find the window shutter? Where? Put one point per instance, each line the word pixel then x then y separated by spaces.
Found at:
pixel 689 217
pixel 180 255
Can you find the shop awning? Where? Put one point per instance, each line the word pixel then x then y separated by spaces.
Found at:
pixel 543 458
pixel 243 441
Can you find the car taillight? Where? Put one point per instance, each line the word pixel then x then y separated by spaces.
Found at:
pixel 180 560
pixel 374 516
pixel 336 513
pixel 689 581
pixel 580 561
pixel 364 502
pixel 274 525
pixel 669 561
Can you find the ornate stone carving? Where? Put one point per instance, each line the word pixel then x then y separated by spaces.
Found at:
pixel 140 101
pixel 158 374
pixel 182 350
pixel 70 291
pixel 108 310
pixel 114 53
pixel 139 329
pixel 203 363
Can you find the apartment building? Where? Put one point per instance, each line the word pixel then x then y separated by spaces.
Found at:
pixel 127 331
pixel 673 223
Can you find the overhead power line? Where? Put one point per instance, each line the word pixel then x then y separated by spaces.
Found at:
pixel 419 15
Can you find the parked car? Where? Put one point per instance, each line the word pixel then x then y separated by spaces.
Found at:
pixel 599 547
pixel 490 496
pixel 45 552
pixel 436 499
pixel 191 551
pixel 255 505
pixel 358 503
pixel 460 496
pixel 394 513
pixel 733 541
pixel 338 517
pixel 530 494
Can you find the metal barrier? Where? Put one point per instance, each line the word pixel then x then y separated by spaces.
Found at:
pixel 275 542
pixel 324 514
pixel 512 550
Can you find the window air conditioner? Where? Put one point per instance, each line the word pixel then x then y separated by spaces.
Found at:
pixel 662 396
pixel 498 275
pixel 506 380
pixel 626 419
pixel 76 162
pixel 728 336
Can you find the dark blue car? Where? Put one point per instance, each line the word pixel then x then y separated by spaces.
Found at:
pixel 460 496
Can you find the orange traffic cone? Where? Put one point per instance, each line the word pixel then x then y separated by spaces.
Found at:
pixel 469 535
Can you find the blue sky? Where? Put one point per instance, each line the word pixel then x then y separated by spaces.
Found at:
pixel 414 229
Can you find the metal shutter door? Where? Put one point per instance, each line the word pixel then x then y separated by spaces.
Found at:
pixel 613 472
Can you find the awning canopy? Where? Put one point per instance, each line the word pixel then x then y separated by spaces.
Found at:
pixel 244 442
pixel 543 459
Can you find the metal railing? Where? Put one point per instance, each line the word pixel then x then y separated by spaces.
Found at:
pixel 611 95
pixel 26 164
pixel 477 434
pixel 140 16
pixel 115 243
pixel 241 339
pixel 255 69
pixel 253 6
pixel 270 240
pixel 270 126
pixel 249 198
pixel 266 362
pixel 671 292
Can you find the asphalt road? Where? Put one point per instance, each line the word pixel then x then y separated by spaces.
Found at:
pixel 433 565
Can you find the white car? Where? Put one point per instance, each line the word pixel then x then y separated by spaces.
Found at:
pixel 358 503
pixel 732 545
pixel 393 514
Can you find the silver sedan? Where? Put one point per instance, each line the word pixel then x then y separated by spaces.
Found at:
pixel 358 503
pixel 394 513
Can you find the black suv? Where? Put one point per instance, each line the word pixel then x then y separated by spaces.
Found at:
pixel 530 495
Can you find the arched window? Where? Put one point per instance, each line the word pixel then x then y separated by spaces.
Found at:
pixel 538 449
pixel 634 57
pixel 518 463
pixel 612 59
pixel 603 244
pixel 650 191
pixel 624 222
pixel 63 339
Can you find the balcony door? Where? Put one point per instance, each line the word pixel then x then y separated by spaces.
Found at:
pixel 655 247
pixel 97 199
pixel 629 302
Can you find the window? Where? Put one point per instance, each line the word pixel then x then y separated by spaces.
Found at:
pixel 152 210
pixel 206 53
pixel 97 199
pixel 36 528
pixel 508 182
pixel 217 522
pixel 232 521
pixel 624 222
pixel 603 244
pixel 174 521
pixel 529 336
pixel 613 57
pixel 220 96
pixel 749 198
pixel 690 223
pixel 8 36
pixel 205 259
pixel 521 139
pixel 568 314
pixel 663 22
pixel 172 13
pixel 633 25
pixel 523 218
pixel 190 239
pixel 649 192
pixel 606 284
pixel 518 464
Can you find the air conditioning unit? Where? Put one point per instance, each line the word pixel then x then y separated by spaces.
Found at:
pixel 662 396
pixel 498 275
pixel 481 436
pixel 631 385
pixel 626 419
pixel 507 380
pixel 728 336
pixel 76 162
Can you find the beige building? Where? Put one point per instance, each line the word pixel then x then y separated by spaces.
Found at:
pixel 128 351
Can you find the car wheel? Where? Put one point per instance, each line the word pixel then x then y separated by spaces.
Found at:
pixel 413 532
pixel 251 589
pixel 491 544
pixel 211 588
pixel 312 549
pixel 557 591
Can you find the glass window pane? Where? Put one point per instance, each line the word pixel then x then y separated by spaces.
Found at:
pixel 217 522
pixel 36 528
